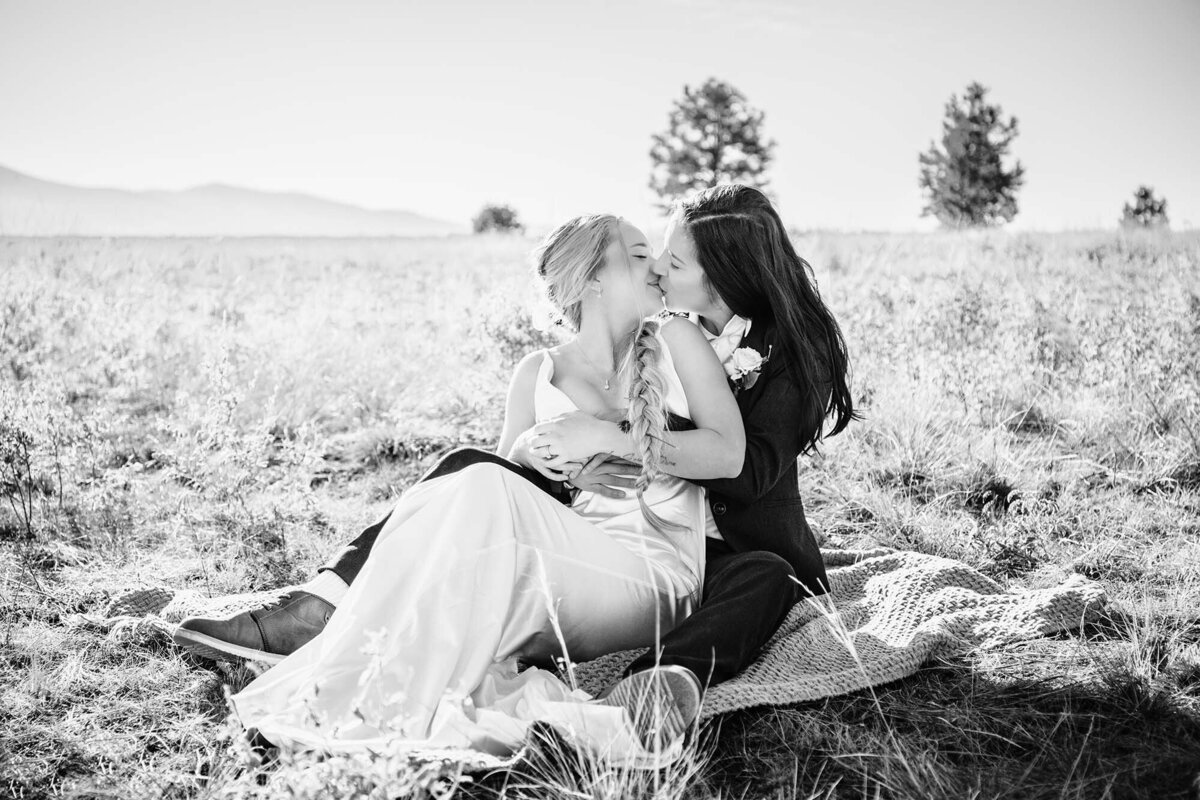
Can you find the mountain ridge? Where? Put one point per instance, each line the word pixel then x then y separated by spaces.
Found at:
pixel 31 206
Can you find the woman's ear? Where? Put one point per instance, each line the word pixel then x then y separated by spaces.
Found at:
pixel 596 287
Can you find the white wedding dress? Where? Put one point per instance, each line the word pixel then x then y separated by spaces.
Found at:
pixel 472 571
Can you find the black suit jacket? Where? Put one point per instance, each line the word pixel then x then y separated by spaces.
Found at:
pixel 761 508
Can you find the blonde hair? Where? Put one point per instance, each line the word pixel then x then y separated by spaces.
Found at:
pixel 567 259
pixel 647 413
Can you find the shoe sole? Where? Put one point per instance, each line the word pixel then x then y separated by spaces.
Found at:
pixel 216 650
pixel 634 693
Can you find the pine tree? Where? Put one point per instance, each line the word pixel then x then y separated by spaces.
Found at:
pixel 965 181
pixel 713 136
pixel 1147 210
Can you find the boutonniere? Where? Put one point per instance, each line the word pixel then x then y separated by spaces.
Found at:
pixel 744 367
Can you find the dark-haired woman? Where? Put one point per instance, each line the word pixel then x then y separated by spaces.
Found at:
pixel 728 261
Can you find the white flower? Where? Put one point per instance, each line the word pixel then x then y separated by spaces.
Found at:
pixel 744 361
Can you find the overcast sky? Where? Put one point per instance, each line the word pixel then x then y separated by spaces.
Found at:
pixel 441 106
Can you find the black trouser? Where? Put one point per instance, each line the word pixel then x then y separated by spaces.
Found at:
pixel 746 595
pixel 746 598
pixel 350 559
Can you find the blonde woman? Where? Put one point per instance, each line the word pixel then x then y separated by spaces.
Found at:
pixel 478 567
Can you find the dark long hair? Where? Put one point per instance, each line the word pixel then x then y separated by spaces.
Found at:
pixel 751 264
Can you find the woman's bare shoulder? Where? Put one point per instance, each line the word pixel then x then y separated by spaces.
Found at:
pixel 681 331
pixel 525 373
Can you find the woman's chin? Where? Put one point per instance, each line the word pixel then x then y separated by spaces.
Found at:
pixel 648 309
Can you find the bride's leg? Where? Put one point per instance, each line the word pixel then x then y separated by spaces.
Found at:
pixel 469 569
pixel 348 561
pixel 281 626
pixel 566 581
pixel 578 588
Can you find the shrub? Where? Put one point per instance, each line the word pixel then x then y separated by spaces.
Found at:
pixel 1147 210
pixel 497 218
pixel 514 334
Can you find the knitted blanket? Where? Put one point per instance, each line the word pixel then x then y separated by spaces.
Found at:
pixel 887 613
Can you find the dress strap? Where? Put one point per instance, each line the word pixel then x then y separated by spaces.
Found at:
pixel 548 400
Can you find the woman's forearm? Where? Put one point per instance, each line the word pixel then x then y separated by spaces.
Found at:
pixel 700 454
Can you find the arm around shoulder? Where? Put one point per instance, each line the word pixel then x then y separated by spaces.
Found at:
pixel 717 448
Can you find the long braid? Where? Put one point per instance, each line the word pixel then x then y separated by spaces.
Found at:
pixel 647 414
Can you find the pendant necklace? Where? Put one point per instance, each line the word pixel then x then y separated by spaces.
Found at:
pixel 596 369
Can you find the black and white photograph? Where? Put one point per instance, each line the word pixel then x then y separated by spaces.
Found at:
pixel 628 400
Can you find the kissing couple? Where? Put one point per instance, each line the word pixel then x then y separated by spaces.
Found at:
pixel 643 494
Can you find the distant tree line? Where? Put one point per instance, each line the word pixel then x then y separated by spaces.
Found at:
pixel 715 136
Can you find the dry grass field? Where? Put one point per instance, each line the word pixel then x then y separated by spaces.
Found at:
pixel 221 415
